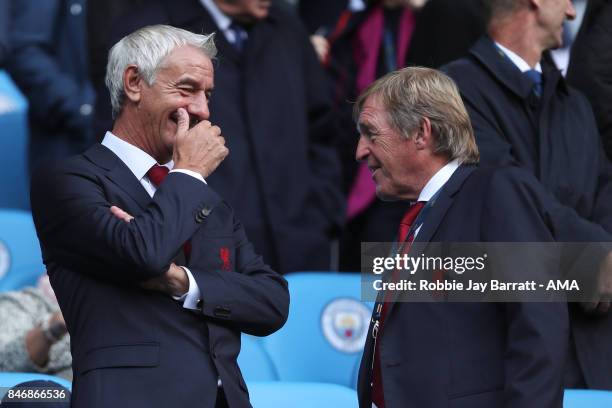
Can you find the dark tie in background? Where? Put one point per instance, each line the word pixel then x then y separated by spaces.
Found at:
pixel 240 36
pixel 404 227
pixel 536 78
pixel 157 174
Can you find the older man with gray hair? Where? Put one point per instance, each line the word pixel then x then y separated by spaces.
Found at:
pixel 416 138
pixel 154 275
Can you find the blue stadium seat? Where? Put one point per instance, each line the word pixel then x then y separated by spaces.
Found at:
pixel 323 338
pixel 301 395
pixel 20 257
pixel 254 361
pixel 587 399
pixel 9 380
pixel 14 184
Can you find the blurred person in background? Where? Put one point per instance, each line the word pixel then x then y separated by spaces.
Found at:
pixel 365 44
pixel 525 114
pixel 271 100
pixel 33 334
pixel 590 68
pixel 48 63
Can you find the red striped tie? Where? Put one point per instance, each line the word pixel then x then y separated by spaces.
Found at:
pixel 404 228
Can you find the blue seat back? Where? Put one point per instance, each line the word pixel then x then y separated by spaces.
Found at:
pixel 20 258
pixel 587 399
pixel 14 184
pixel 254 361
pixel 323 338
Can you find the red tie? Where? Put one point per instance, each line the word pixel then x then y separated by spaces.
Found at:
pixel 405 224
pixel 408 219
pixel 157 174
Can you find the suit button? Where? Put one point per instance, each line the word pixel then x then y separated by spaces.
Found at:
pixel 222 312
pixel 199 304
pixel 201 215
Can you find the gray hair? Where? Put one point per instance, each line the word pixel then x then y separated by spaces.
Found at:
pixel 147 48
pixel 414 93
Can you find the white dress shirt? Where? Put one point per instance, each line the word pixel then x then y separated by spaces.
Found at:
pixel 139 163
pixel 517 60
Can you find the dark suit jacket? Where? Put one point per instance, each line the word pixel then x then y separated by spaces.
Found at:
pixel 557 141
pixel 138 348
pixel 590 62
pixel 282 176
pixel 475 355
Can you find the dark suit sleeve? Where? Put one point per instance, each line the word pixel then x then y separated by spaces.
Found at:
pixel 255 300
pixel 78 231
pixel 537 333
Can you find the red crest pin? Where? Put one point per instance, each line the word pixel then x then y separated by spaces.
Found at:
pixel 224 254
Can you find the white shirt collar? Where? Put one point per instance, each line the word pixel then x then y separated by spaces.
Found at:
pixel 221 20
pixel 138 161
pixel 517 60
pixel 438 180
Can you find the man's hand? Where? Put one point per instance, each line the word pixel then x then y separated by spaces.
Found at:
pixel 122 215
pixel 174 282
pixel 201 148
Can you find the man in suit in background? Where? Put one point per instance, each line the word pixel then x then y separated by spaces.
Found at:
pixel 153 272
pixel 283 177
pixel 416 138
pixel 48 62
pixel 590 61
pixel 524 114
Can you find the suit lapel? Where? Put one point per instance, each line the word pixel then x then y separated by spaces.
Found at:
pixel 118 173
pixel 434 218
pixel 501 67
pixel 553 83
pixel 442 203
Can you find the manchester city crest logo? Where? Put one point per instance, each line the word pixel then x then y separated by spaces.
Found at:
pixel 345 324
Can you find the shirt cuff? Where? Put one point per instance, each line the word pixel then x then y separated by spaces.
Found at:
pixel 190 173
pixel 191 298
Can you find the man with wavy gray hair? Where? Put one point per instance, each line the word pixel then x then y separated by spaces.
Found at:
pixel 416 138
pixel 154 274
